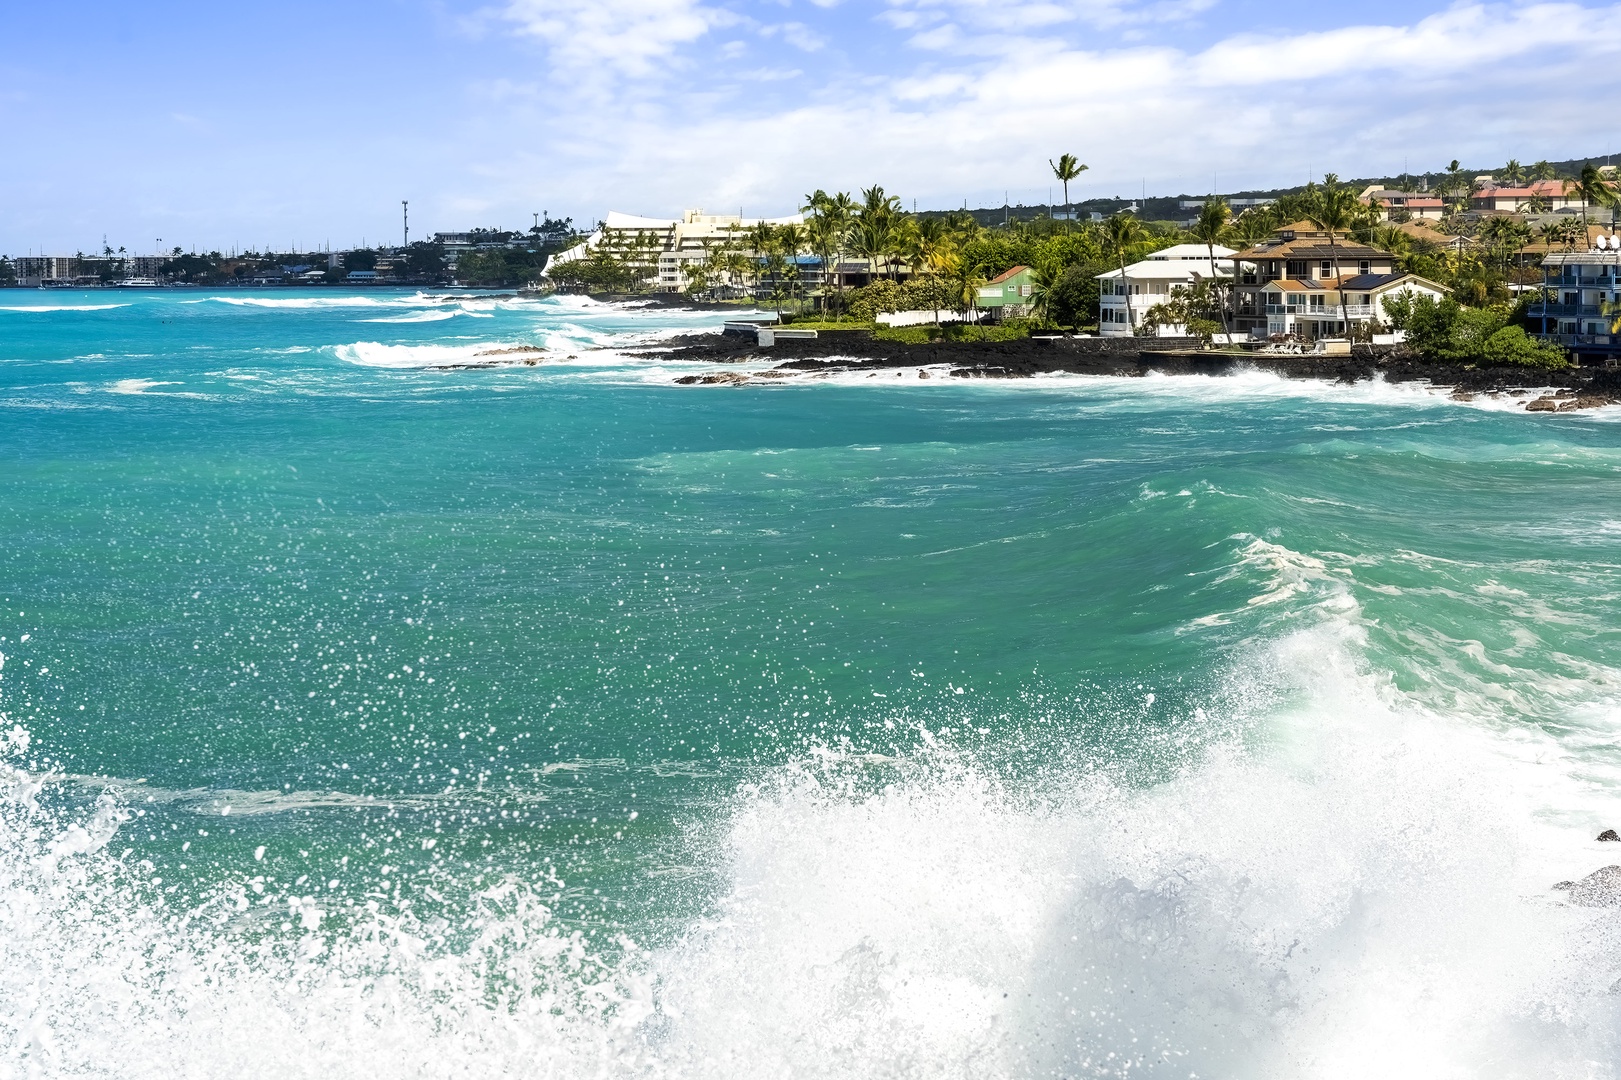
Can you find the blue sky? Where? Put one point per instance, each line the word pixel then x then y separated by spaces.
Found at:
pixel 213 125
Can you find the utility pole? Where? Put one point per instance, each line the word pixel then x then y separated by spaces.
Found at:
pixel 405 219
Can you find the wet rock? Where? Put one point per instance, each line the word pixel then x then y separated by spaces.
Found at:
pixel 1544 404
pixel 1601 888
pixel 1584 401
pixel 1609 834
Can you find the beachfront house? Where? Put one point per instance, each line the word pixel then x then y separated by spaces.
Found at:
pixel 662 248
pixel 1579 289
pixel 1301 253
pixel 1151 282
pixel 1311 308
pixel 1007 295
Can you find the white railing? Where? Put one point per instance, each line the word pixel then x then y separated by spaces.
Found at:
pixel 1327 311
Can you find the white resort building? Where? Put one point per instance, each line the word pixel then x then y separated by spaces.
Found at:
pixel 1150 282
pixel 662 247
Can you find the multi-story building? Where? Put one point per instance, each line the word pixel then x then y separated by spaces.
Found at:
pixel 1581 302
pixel 1151 282
pixel 662 248
pixel 1301 253
pixel 33 270
pixel 1405 204
pixel 1308 309
pixel 1489 194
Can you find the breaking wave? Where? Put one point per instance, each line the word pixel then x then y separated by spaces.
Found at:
pixel 1326 880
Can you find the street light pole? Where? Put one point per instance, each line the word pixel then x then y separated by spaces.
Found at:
pixel 405 218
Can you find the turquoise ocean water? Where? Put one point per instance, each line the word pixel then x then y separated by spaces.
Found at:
pixel 364 716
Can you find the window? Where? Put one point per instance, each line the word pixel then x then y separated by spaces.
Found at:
pixel 1325 269
pixel 1295 268
pixel 1364 267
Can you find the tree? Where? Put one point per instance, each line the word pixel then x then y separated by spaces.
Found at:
pixel 1043 290
pixel 1455 182
pixel 1543 171
pixel 1122 233
pixel 965 279
pixel 1514 173
pixel 1591 187
pixel 1210 228
pixel 1066 168
pixel 1333 212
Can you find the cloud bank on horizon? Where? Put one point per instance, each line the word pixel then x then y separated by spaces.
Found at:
pixel 311 127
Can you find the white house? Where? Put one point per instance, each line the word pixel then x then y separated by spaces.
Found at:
pixel 661 247
pixel 1150 282
pixel 1312 308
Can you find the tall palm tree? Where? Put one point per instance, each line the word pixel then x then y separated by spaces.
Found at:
pixel 1332 212
pixel 790 242
pixel 1543 171
pixel 1210 229
pixel 1066 168
pixel 1514 173
pixel 1122 233
pixel 1592 189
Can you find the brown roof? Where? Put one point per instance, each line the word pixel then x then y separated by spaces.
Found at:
pixel 1005 274
pixel 1310 248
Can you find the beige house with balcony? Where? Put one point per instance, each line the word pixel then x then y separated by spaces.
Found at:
pixel 1312 308
pixel 1301 253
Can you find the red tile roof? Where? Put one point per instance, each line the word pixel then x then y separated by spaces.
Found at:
pixel 1004 275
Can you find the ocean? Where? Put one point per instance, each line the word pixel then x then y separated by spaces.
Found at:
pixel 370 715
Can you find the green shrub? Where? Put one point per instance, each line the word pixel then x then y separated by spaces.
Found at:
pixel 1445 330
pixel 1512 345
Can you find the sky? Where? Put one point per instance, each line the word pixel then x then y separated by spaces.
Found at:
pixel 303 124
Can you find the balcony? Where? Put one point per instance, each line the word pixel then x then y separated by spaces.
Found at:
pixel 1537 311
pixel 1603 341
pixel 1350 311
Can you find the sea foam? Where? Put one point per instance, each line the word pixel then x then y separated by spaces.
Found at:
pixel 1331 883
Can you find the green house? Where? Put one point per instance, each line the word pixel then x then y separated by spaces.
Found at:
pixel 1007 295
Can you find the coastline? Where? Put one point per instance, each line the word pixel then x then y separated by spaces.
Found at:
pixel 861 350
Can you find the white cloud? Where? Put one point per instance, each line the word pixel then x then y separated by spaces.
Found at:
pixel 625 35
pixel 967 121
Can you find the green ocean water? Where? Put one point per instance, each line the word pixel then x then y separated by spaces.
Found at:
pixel 560 720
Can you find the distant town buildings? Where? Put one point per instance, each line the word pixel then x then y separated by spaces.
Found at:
pixel 662 248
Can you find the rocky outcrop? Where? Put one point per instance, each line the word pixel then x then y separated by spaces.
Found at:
pixel 1601 888
pixel 1609 834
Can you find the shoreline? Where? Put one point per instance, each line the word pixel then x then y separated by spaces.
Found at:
pixel 860 350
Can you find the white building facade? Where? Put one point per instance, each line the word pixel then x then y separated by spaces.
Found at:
pixel 1150 282
pixel 662 248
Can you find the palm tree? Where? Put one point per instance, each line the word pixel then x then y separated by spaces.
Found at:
pixel 1332 212
pixel 872 234
pixel 1454 179
pixel 791 241
pixel 1514 173
pixel 1394 240
pixel 1591 188
pixel 965 279
pixel 1123 233
pixel 1210 229
pixel 1043 286
pixel 1066 168
pixel 1543 171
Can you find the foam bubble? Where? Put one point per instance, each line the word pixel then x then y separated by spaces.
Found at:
pixel 61 307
